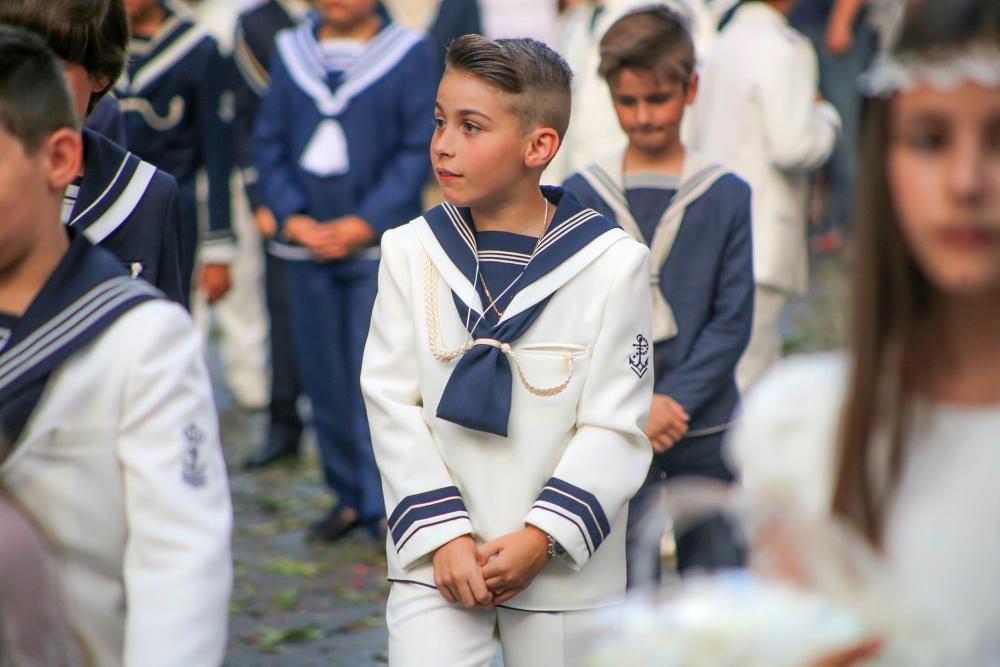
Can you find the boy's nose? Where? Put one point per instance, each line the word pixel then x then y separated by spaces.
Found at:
pixel 441 144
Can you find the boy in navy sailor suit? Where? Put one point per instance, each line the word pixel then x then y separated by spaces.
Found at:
pixel 695 216
pixel 108 432
pixel 178 105
pixel 253 45
pixel 341 150
pixel 119 202
pixel 506 378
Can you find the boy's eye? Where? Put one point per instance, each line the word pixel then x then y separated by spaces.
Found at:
pixel 661 98
pixel 626 100
pixel 470 127
pixel 439 123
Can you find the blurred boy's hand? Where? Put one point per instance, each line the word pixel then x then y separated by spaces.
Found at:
pixel 513 561
pixel 668 422
pixel 214 281
pixel 458 573
pixel 264 221
pixel 351 233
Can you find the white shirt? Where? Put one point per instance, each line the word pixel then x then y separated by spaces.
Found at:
pixel 942 541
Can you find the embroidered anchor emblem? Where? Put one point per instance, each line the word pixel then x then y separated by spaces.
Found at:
pixel 638 361
pixel 193 471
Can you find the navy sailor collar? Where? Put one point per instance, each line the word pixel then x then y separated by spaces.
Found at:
pixel 114 182
pixel 85 294
pixel 333 90
pixel 567 247
pixel 151 58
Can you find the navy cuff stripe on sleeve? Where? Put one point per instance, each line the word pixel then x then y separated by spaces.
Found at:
pixel 421 507
pixel 586 497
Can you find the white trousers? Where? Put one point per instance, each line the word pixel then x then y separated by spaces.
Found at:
pixel 427 631
pixel 764 348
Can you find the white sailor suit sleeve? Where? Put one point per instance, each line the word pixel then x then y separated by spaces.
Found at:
pixel 608 457
pixel 177 564
pixel 424 506
pixel 800 131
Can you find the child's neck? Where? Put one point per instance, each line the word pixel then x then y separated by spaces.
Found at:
pixel 148 22
pixel 23 278
pixel 670 160
pixel 522 212
pixel 362 30
pixel 962 336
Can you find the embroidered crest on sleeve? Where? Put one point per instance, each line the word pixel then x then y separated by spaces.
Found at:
pixel 638 361
pixel 193 469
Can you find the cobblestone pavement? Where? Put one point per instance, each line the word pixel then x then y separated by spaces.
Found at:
pixel 299 604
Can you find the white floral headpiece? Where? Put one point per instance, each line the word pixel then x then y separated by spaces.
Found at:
pixel 977 64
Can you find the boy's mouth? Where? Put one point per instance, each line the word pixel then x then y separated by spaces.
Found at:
pixel 445 175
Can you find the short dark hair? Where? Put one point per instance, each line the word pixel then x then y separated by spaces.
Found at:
pixel 654 38
pixel 91 33
pixel 34 97
pixel 536 77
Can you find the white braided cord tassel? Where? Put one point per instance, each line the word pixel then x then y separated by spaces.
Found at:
pixel 442 354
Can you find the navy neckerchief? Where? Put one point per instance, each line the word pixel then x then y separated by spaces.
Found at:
pixel 114 182
pixel 85 294
pixel 478 393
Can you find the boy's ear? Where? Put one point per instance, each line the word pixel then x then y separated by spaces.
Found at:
pixel 542 147
pixel 63 155
pixel 692 88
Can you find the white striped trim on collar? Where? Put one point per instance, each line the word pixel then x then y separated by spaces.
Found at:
pixel 57 332
pixel 123 207
pixel 162 63
pixel 296 47
pixel 459 222
pixel 565 227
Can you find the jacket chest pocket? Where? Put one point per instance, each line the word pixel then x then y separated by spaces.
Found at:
pixel 555 371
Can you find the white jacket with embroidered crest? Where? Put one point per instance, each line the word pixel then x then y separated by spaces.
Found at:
pixel 571 461
pixel 121 467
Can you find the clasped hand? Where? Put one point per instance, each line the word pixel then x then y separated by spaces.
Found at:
pixel 335 239
pixel 491 573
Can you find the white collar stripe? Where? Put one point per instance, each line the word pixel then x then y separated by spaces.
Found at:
pixel 123 206
pixel 104 194
pixel 299 51
pixel 170 56
pixel 459 222
pixel 82 312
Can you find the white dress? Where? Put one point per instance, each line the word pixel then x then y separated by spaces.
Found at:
pixel 942 542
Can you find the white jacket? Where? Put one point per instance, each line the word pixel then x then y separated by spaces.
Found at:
pixel 121 467
pixel 589 435
pixel 756 112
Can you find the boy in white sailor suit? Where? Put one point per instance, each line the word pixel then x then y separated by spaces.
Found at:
pixel 507 382
pixel 108 432
pixel 178 105
pixel 695 216
pixel 119 202
pixel 758 113
pixel 341 150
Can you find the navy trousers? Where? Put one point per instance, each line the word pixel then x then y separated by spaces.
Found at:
pixel 708 544
pixel 331 307
pixel 285 384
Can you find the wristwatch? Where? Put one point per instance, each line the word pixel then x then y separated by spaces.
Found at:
pixel 555 550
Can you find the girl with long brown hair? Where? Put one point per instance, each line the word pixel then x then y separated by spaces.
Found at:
pixel 901 436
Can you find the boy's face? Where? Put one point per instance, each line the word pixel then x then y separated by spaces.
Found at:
pixel 31 189
pixel 650 108
pixel 478 149
pixel 136 8
pixel 345 13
